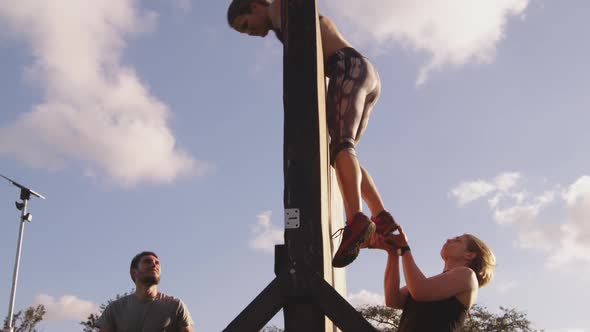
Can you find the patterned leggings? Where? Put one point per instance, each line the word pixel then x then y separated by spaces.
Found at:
pixel 353 90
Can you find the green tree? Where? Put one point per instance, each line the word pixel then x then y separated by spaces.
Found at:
pixel 27 321
pixel 90 322
pixel 509 319
pixel 386 319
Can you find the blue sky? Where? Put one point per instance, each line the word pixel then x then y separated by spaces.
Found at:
pixel 152 125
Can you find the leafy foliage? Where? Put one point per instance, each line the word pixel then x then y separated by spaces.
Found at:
pixel 27 321
pixel 385 319
pixel 509 319
pixel 479 320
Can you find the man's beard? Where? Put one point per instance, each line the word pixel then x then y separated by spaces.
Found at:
pixel 149 280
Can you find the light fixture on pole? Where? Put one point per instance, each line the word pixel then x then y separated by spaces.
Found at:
pixel 25 195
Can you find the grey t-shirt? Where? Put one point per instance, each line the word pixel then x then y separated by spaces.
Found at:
pixel 165 313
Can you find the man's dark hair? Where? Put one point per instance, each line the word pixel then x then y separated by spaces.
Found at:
pixel 135 261
pixel 241 7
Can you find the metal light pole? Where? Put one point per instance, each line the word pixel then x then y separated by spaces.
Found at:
pixel 25 195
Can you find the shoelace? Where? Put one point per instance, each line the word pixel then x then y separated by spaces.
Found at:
pixel 339 231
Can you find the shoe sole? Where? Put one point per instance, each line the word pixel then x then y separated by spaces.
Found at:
pixel 347 259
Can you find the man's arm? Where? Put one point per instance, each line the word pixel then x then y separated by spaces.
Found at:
pixel 105 321
pixel 184 318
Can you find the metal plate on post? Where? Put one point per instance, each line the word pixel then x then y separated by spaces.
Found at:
pixel 292 218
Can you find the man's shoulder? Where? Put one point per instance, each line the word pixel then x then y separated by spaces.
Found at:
pixel 168 298
pixel 119 301
pixel 177 306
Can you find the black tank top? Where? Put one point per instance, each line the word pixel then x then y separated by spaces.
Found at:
pixel 437 316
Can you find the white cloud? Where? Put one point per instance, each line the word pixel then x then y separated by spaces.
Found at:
pixel 451 32
pixel 506 181
pixel 568 330
pixel 573 239
pixel 505 287
pixel 67 307
pixel 184 4
pixel 469 191
pixel 509 205
pixel 572 249
pixel 537 238
pixel 365 298
pixel 565 242
pixel 520 212
pixel 96 112
pixel 577 197
pixel 264 234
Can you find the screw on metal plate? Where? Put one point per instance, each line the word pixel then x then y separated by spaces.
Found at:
pixel 292 218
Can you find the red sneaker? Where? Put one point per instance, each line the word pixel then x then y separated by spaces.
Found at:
pixel 354 233
pixel 370 242
pixel 385 223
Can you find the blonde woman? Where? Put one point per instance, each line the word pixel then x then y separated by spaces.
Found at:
pixel 441 302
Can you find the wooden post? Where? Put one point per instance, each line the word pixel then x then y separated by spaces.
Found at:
pixel 305 158
pixel 305 280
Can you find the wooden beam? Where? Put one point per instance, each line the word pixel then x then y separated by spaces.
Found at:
pixel 262 309
pixel 305 158
pixel 306 282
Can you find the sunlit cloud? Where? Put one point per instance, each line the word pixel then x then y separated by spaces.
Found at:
pixel 468 191
pixel 522 212
pixel 575 233
pixel 96 114
pixel 67 307
pixel 577 197
pixel 505 287
pixel 264 234
pixel 366 298
pixel 538 238
pixel 565 242
pixel 450 32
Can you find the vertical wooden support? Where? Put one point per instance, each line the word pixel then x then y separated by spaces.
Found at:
pixel 305 284
pixel 305 153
